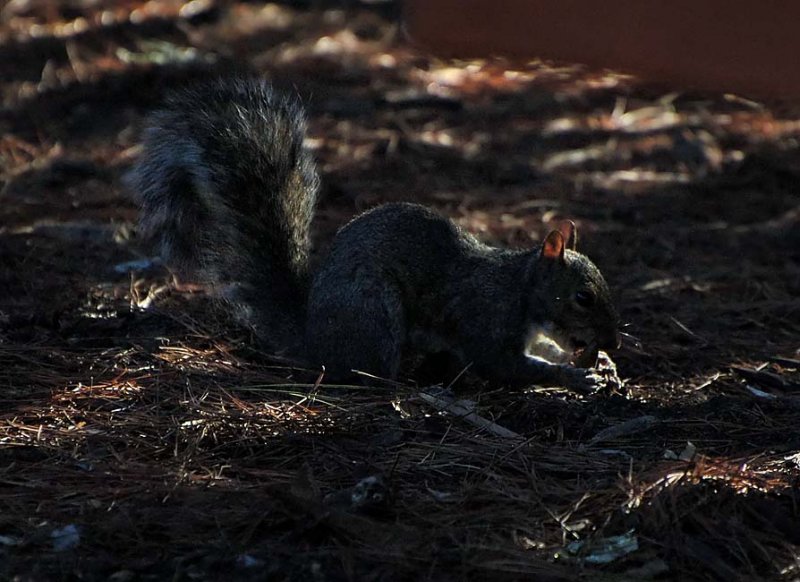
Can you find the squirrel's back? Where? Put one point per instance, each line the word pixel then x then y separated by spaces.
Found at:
pixel 228 193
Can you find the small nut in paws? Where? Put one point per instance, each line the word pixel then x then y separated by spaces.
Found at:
pixel 581 379
pixel 608 369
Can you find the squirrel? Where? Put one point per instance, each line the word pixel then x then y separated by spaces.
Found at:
pixel 227 193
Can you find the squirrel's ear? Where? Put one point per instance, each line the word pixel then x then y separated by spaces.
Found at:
pixel 570 233
pixel 553 246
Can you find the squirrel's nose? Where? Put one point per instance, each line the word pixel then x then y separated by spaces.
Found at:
pixel 611 340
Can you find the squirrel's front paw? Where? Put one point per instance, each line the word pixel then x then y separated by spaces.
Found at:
pixel 580 379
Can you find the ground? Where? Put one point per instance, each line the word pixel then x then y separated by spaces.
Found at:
pixel 143 435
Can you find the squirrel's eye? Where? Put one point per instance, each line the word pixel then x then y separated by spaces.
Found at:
pixel 584 298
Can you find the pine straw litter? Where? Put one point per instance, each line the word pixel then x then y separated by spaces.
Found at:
pixel 142 437
pixel 202 457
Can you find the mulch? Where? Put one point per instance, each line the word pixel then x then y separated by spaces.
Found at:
pixel 144 436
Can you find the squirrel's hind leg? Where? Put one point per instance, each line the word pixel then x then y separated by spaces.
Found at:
pixel 355 325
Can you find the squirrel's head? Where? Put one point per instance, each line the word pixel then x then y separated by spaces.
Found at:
pixel 573 294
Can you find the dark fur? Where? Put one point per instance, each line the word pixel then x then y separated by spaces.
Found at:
pixel 401 276
pixel 228 192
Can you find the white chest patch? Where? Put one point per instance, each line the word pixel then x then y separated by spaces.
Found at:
pixel 542 346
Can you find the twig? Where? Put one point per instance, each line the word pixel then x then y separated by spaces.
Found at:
pixel 468 414
pixel 628 427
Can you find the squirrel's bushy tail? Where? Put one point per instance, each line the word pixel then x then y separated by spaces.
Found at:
pixel 227 193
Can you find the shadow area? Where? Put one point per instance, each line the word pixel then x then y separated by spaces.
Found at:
pixel 133 409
